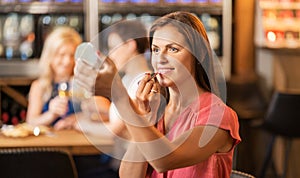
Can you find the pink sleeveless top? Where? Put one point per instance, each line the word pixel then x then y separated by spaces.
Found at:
pixel 207 110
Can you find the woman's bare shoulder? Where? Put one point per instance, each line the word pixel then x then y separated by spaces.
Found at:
pixel 36 87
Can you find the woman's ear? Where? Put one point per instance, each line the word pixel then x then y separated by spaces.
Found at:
pixel 132 45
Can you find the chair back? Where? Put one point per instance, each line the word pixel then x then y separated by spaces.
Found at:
pixel 239 174
pixel 283 115
pixel 36 163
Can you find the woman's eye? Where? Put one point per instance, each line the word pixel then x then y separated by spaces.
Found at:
pixel 173 49
pixel 155 50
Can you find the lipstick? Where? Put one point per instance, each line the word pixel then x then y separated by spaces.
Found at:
pixel 153 75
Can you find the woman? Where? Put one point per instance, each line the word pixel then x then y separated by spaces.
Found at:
pixel 45 105
pixel 196 134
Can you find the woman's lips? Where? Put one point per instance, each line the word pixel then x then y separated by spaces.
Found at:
pixel 164 70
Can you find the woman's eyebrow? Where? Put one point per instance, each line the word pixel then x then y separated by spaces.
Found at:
pixel 153 45
pixel 169 45
pixel 176 44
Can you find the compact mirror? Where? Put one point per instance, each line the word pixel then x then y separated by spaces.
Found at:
pixel 87 52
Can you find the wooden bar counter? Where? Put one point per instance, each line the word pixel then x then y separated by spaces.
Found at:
pixel 73 141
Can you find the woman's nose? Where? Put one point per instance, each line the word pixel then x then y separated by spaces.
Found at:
pixel 68 60
pixel 162 57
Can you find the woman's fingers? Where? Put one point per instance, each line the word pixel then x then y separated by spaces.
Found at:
pixel 83 68
pixel 96 80
pixel 148 93
pixel 108 66
pixel 142 83
pixel 84 75
pixel 58 106
pixel 155 88
pixel 148 86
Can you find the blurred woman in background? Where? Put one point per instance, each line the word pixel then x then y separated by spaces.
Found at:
pixel 50 102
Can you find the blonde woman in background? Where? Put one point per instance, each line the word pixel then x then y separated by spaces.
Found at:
pixel 45 106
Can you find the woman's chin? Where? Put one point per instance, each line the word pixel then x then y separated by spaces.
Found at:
pixel 164 82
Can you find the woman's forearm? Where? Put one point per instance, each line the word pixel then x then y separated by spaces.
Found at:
pixel 44 119
pixel 133 164
pixel 133 169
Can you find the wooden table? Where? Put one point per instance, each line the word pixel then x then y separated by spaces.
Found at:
pixel 73 141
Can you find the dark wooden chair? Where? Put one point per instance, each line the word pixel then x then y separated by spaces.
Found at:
pixel 36 163
pixel 282 119
pixel 240 174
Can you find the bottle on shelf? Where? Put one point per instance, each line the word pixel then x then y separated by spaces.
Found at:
pixel 12 112
pixel 8 1
pixel 24 1
pixel 18 36
pixel 27 36
pixel 201 1
pixel 11 35
pixel 213 28
pixel 5 116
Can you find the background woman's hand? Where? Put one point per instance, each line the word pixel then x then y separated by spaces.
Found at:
pixel 59 106
pixel 65 123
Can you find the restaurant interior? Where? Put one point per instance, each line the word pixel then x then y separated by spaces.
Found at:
pixel 256 41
